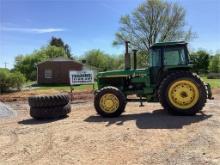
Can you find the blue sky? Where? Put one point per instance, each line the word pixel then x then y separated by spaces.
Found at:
pixel 26 25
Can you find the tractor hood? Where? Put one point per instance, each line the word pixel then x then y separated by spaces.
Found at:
pixel 121 73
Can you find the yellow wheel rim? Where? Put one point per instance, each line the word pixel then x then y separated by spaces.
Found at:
pixel 109 103
pixel 183 94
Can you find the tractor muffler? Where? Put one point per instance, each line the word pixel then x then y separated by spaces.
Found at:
pixel 135 58
pixel 127 57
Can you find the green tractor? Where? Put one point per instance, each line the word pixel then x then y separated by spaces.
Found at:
pixel 167 80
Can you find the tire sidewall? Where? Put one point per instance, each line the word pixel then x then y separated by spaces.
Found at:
pixel 117 93
pixel 177 77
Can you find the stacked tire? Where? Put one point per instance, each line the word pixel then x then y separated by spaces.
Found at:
pixel 49 107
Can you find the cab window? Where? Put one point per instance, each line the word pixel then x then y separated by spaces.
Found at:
pixel 155 57
pixel 174 56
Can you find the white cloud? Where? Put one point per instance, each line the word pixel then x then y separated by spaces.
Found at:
pixel 32 30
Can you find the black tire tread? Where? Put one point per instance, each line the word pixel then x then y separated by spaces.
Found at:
pixel 162 93
pixel 120 95
pixel 48 101
pixel 50 112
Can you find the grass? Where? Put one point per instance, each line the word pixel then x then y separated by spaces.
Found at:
pixel 215 83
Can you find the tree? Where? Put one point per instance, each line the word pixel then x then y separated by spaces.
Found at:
pixel 142 59
pixel 153 21
pixel 51 52
pixel 118 61
pixel 68 51
pixel 17 80
pixel 58 42
pixel 214 65
pixel 4 80
pixel 99 59
pixel 200 60
pixel 26 64
pixel 103 61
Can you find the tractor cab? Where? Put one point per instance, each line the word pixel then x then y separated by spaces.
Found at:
pixel 167 56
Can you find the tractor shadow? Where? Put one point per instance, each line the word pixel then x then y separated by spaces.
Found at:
pixel 159 119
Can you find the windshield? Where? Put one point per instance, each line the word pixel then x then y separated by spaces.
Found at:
pixel 174 56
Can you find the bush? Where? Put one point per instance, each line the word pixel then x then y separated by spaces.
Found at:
pixel 10 80
pixel 4 80
pixel 17 79
pixel 200 60
pixel 214 65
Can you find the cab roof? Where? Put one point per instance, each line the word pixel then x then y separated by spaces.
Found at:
pixel 173 43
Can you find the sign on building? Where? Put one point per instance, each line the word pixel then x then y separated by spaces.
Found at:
pixel 81 77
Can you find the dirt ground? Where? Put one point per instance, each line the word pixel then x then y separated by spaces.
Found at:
pixel 23 95
pixel 145 135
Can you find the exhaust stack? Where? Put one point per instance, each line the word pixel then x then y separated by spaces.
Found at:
pixel 127 57
pixel 135 58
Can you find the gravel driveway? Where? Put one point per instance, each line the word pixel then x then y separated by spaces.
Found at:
pixel 142 135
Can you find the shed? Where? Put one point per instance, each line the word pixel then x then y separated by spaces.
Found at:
pixel 56 70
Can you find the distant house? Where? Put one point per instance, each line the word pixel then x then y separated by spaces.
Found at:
pixel 56 70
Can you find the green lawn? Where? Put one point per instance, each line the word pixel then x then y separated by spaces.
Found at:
pixel 215 83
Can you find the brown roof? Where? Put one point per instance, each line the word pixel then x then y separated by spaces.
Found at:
pixel 59 59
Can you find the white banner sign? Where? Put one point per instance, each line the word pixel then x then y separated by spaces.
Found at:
pixel 81 77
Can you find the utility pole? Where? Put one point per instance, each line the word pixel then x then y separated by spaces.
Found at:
pixel 5 65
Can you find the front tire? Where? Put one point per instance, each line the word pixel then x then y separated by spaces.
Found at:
pixel 182 93
pixel 109 102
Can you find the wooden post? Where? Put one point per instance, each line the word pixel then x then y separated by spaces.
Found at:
pixel 71 92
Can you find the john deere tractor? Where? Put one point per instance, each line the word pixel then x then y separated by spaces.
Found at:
pixel 168 79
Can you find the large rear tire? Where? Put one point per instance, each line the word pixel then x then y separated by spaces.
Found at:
pixel 109 102
pixel 182 93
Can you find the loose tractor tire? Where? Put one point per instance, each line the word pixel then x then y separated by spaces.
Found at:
pixel 49 107
pixel 109 102
pixel 182 93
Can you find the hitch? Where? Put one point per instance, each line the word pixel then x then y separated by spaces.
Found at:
pixel 141 102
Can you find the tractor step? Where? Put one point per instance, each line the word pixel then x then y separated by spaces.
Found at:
pixel 136 100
